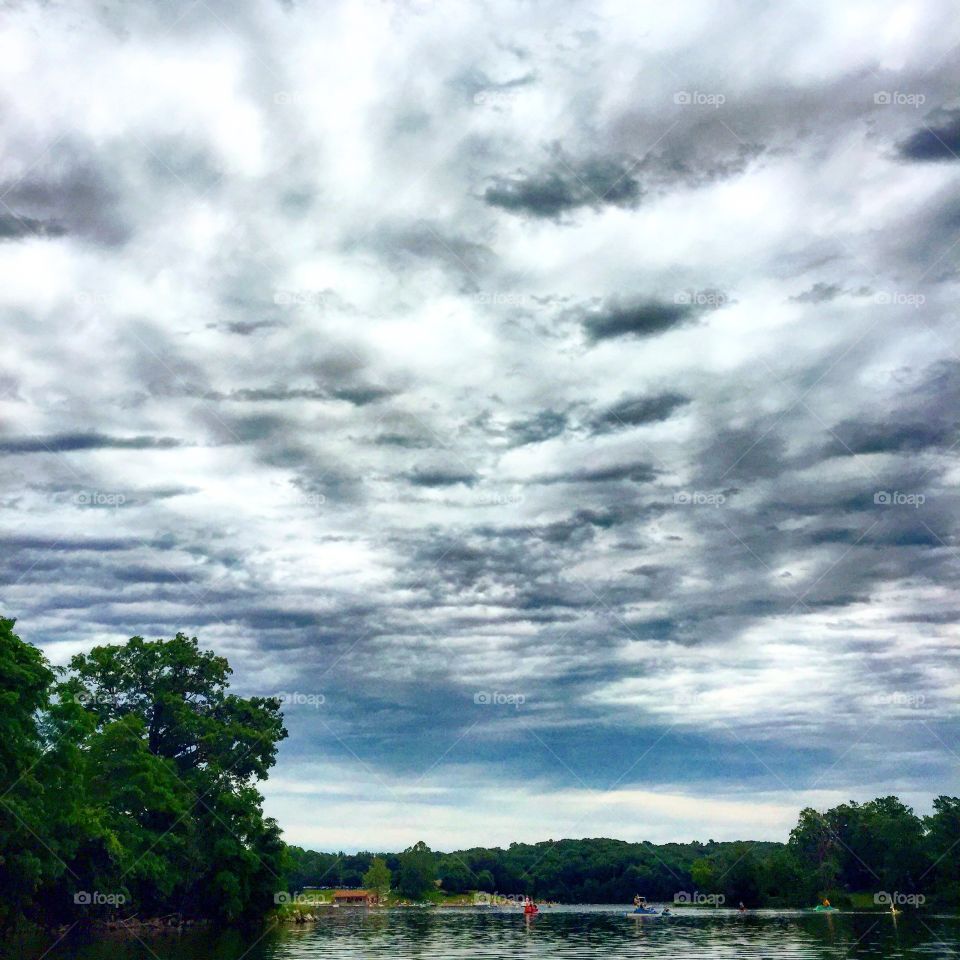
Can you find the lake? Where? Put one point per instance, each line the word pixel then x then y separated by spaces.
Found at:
pixel 562 932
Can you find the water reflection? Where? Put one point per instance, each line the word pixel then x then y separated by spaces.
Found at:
pixel 560 932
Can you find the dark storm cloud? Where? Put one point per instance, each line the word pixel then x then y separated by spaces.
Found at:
pixel 426 243
pixel 357 395
pixel 937 140
pixel 633 472
pixel 15 227
pixel 565 185
pixel 474 82
pixel 67 442
pixel 410 441
pixel 66 195
pixel 245 328
pixel 860 437
pixel 641 318
pixel 819 293
pixel 635 411
pixel 675 166
pixel 158 575
pixel 67 544
pixel 544 425
pixel 741 454
pixel 440 478
pixel 922 418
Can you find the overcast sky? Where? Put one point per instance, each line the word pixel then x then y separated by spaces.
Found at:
pixel 555 403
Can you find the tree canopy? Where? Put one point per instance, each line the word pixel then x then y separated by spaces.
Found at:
pixel 131 780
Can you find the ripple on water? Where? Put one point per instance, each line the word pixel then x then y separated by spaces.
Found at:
pixel 564 933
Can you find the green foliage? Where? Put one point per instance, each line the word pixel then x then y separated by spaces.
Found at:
pixel 417 871
pixel 942 876
pixel 456 876
pixel 25 680
pixel 378 877
pixel 874 847
pixel 133 777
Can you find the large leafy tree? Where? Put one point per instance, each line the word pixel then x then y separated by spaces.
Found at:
pixel 25 680
pixel 417 871
pixel 378 877
pixel 942 876
pixel 185 754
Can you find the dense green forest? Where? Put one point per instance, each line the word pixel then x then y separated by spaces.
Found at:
pixel 128 786
pixel 881 848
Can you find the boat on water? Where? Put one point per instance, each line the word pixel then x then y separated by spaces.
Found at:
pixel 820 908
pixel 643 909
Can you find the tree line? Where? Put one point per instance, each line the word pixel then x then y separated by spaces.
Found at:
pixel 128 787
pixel 880 848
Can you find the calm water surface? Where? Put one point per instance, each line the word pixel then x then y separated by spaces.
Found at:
pixel 562 932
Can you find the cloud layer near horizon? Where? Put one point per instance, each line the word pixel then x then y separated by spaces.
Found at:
pixel 547 394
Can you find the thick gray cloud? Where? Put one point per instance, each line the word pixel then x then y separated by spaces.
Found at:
pixel 15 227
pixel 938 139
pixel 64 442
pixel 633 411
pixel 565 185
pixel 636 318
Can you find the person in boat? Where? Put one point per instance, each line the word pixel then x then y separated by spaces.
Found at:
pixel 639 901
pixel 742 908
pixel 826 902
